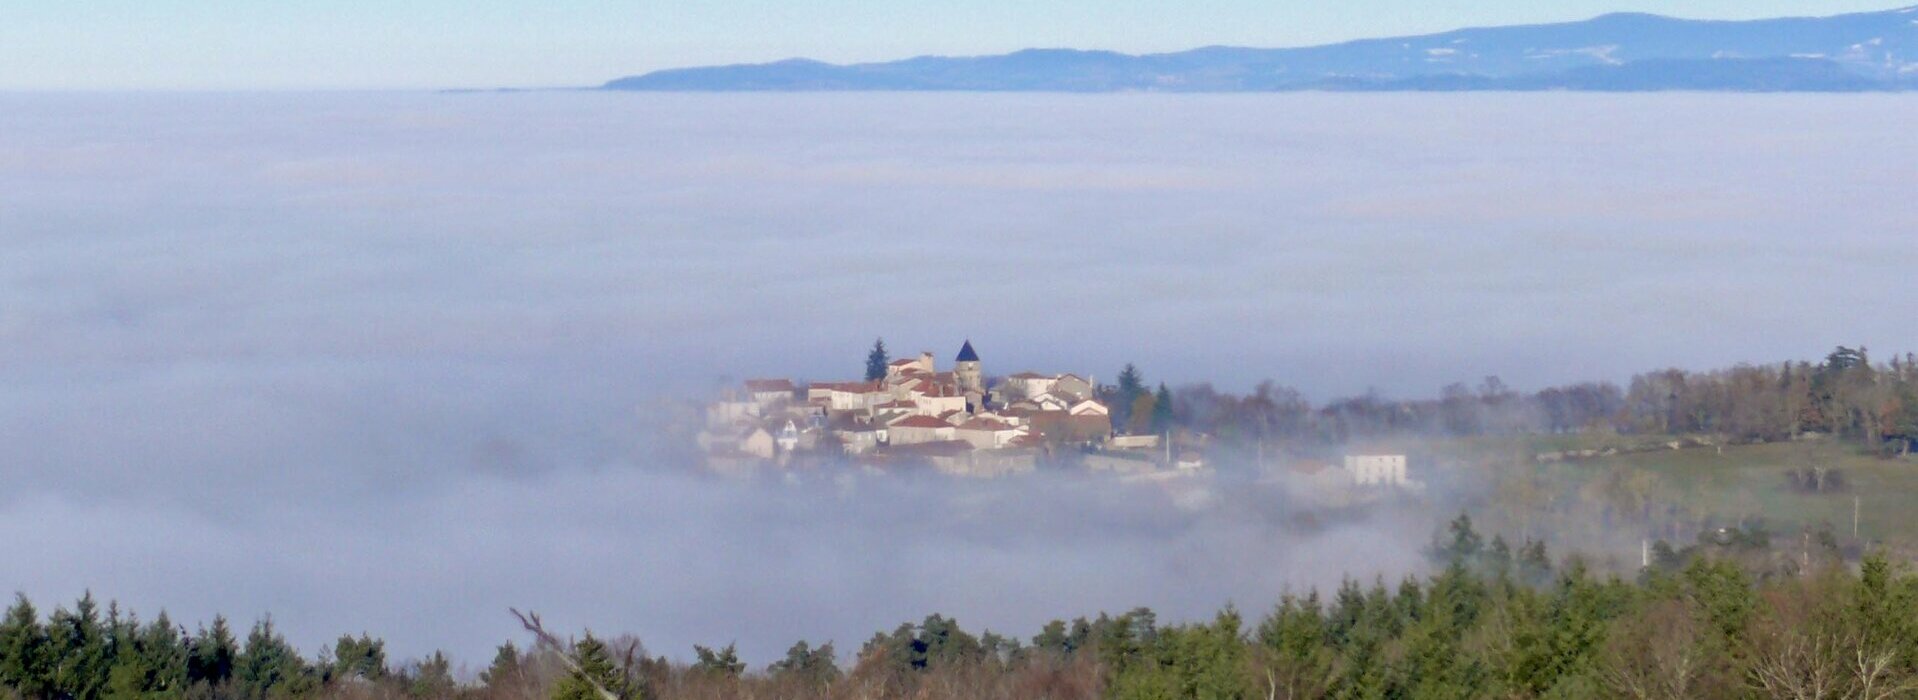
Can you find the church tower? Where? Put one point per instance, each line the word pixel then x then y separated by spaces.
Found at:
pixel 966 371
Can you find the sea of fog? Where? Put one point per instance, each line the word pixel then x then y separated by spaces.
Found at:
pixel 393 362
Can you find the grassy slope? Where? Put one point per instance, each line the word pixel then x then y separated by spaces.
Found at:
pixel 1750 479
pixel 1565 501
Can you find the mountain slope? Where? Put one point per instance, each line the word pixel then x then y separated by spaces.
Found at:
pixel 1863 51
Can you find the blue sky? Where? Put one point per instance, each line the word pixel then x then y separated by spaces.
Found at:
pixel 295 44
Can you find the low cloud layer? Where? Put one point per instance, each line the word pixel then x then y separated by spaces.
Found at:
pixel 380 361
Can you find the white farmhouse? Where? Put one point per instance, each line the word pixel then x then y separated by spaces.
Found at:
pixel 1377 470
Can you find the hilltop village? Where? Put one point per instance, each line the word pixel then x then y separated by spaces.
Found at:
pixel 910 414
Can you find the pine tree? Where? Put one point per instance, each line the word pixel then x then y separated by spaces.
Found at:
pixel 814 666
pixel 1534 566
pixel 148 661
pixel 364 657
pixel 1464 545
pixel 432 677
pixel 1295 635
pixel 876 361
pixel 82 659
pixel 1162 417
pixel 506 672
pixel 1131 387
pixel 211 653
pixel 26 652
pixel 723 662
pixel 268 664
pixel 595 672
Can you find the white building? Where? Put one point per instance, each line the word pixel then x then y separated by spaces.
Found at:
pixel 1026 385
pixel 1377 470
pixel 788 437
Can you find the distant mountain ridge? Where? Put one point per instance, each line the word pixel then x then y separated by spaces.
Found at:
pixel 1869 51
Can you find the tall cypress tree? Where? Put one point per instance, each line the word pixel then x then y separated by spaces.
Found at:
pixel 876 361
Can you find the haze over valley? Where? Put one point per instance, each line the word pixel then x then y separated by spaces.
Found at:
pixel 392 361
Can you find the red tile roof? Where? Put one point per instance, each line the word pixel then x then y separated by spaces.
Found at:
pixel 986 424
pixel 1027 440
pixel 768 385
pixel 920 422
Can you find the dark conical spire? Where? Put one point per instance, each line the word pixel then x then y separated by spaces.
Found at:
pixel 966 354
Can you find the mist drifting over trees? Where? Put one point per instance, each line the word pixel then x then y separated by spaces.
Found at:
pixel 372 363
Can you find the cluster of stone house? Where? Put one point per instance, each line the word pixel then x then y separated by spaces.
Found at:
pixel 956 420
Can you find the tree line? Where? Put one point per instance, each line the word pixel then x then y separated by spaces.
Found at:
pixel 1493 621
pixel 1847 394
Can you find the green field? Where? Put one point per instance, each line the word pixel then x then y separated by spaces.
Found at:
pixel 1605 505
pixel 1743 480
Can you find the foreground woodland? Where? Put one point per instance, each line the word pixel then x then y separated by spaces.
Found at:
pixel 1493 621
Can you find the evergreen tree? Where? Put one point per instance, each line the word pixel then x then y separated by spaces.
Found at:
pixel 26 652
pixel 1162 417
pixel 816 667
pixel 1053 639
pixel 364 657
pixel 268 665
pixel 999 648
pixel 941 641
pixel 164 650
pixel 1498 559
pixel 1295 636
pixel 149 661
pixel 723 663
pixel 596 672
pixel 1210 659
pixel 1534 566
pixel 893 653
pixel 507 671
pixel 211 653
pixel 1463 544
pixel 1131 387
pixel 1348 607
pixel 432 677
pixel 82 659
pixel 876 361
